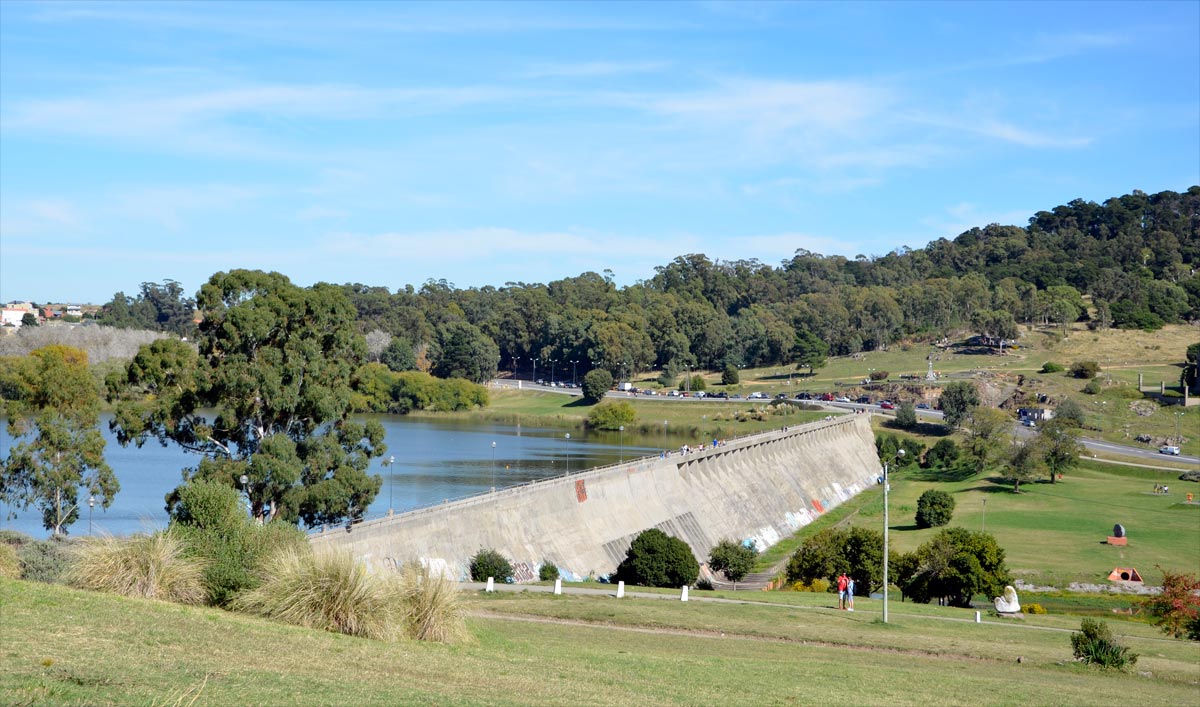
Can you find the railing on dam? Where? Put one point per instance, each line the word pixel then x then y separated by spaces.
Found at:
pixel 672 456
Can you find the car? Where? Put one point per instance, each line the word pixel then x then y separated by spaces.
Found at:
pixel 841 399
pixel 922 406
pixel 864 399
pixel 757 395
pixel 781 396
pixel 827 397
pixel 735 396
pixel 1169 449
pixel 1028 423
pixel 722 395
pixel 887 405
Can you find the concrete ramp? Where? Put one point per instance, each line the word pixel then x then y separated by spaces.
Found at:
pixel 761 487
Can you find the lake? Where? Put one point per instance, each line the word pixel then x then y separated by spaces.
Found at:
pixel 434 461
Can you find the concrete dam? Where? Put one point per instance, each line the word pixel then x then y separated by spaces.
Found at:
pixel 761 487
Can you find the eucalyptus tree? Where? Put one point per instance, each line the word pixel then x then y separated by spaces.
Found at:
pixel 264 396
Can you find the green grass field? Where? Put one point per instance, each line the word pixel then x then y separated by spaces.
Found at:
pixel 66 647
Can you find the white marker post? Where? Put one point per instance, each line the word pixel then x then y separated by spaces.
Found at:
pixel 621 589
pixel 491 585
pixel 978 618
pixel 558 586
pixel 683 596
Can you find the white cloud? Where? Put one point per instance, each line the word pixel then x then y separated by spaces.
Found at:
pixel 594 69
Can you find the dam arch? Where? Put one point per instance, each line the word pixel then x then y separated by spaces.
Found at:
pixel 762 487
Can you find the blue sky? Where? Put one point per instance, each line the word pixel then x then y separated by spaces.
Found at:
pixel 491 142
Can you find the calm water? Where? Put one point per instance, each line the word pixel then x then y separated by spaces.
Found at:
pixel 434 461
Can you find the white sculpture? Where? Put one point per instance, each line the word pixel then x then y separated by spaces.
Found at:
pixel 1008 603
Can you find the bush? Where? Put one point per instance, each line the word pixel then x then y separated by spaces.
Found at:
pixel 906 416
pixel 879 375
pixel 934 509
pixel 857 551
pixel 1085 369
pixel 1052 367
pixel 1177 609
pixel 1095 645
pixel 329 591
pixel 943 455
pixel 1069 412
pixel 44 560
pixel 730 376
pixel 489 563
pixel 1093 387
pixel 10 565
pixel 548 572
pixel 1033 609
pixel 657 560
pixel 432 610
pixel 147 566
pixel 611 416
pixel 817 585
pixel 733 559
pixel 596 383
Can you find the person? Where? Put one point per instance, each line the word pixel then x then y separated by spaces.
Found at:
pixel 842 580
pixel 850 594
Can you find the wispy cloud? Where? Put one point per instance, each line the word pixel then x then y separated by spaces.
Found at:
pixel 594 69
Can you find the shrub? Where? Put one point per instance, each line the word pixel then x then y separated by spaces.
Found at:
pixel 611 416
pixel 1085 369
pixel 817 585
pixel 148 566
pixel 879 375
pixel 857 551
pixel 934 509
pixel 10 565
pixel 733 559
pixel 328 591
pixel 730 376
pixel 698 382
pixel 1095 644
pixel 489 563
pixel 1052 367
pixel 432 610
pixel 44 560
pixel 906 416
pixel 1069 412
pixel 943 455
pixel 1033 609
pixel 596 383
pixel 1177 609
pixel 548 572
pixel 657 560
pixel 1092 387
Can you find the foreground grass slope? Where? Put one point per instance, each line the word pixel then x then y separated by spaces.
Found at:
pixel 62 646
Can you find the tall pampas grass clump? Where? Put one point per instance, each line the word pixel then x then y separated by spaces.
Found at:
pixel 149 566
pixel 327 591
pixel 432 609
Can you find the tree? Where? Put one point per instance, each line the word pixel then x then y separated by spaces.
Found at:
pixel 1177 609
pixel 465 352
pixel 733 559
pixel 1069 412
pixel 809 350
pixel 1024 465
pixel 1084 369
pixel 399 355
pixel 988 436
pixel 596 384
pixel 857 551
pixel 612 416
pixel 957 400
pixel 934 509
pixel 942 455
pixel 906 416
pixel 266 395
pixel 1058 446
pixel 656 559
pixel 57 413
pixel 955 565
pixel 730 375
pixel 29 319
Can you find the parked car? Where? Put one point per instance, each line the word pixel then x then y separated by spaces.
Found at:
pixel 841 399
pixel 887 405
pixel 757 395
pixel 1028 423
pixel 922 406
pixel 864 399
pixel 827 397
pixel 1170 449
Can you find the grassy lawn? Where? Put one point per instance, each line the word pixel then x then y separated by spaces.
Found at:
pixel 65 647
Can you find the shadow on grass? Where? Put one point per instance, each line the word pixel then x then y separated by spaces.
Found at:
pixel 926 429
pixel 952 474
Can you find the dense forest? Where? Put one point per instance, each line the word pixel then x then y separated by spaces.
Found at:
pixel 1135 257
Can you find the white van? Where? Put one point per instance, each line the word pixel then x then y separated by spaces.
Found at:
pixel 1174 451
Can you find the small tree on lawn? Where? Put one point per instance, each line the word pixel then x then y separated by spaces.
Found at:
pixel 489 563
pixel 1177 608
pixel 956 564
pixel 906 416
pixel 943 455
pixel 732 559
pixel 934 509
pixel 611 416
pixel 596 383
pixel 730 375
pixel 1058 447
pixel 656 559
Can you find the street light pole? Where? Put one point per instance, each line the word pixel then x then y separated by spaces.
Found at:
pixel 884 481
pixel 573 364
pixel 246 490
pixel 534 379
pixel 493 467
pixel 983 527
pixel 567 452
pixel 622 457
pixel 91 505
pixel 387 464
pixel 552 362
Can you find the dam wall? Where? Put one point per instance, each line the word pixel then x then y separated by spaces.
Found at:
pixel 761 487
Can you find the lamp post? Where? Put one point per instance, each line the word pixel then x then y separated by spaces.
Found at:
pixel 1178 437
pixel 573 364
pixel 567 452
pixel 387 463
pixel 884 480
pixel 689 379
pixel 246 490
pixel 622 457
pixel 552 362
pixel 493 467
pixel 534 379
pixel 664 435
pixel 983 526
pixel 91 505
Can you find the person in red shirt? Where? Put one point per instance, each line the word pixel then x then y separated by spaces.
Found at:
pixel 842 582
